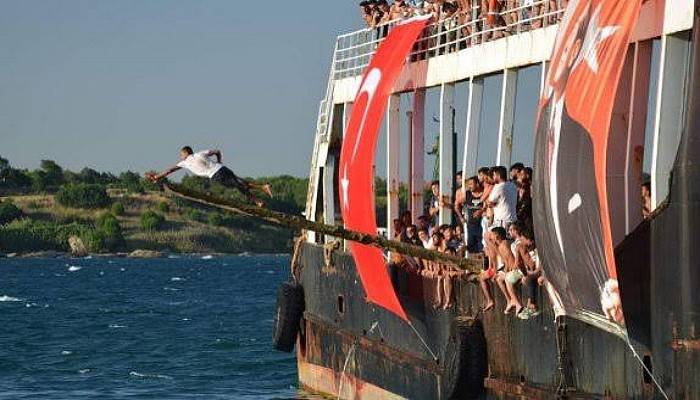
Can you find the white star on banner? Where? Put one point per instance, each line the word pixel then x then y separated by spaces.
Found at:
pixel 345 184
pixel 594 36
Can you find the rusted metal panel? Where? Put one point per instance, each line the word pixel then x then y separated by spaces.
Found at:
pixel 384 351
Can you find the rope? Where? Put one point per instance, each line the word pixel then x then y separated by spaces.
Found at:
pixel 653 378
pixel 296 257
pixel 432 354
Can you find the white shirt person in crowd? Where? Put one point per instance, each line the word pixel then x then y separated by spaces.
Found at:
pixel 202 164
pixel 503 199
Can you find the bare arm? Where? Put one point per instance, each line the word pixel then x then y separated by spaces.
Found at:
pixel 459 204
pixel 157 177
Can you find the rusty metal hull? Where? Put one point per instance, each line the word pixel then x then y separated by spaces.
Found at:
pixel 351 347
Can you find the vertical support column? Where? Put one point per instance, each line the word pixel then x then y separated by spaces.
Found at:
pixel 543 76
pixel 447 144
pixel 639 101
pixel 670 111
pixel 505 129
pixel 328 196
pixel 617 146
pixel 347 111
pixel 417 155
pixel 393 148
pixel 471 142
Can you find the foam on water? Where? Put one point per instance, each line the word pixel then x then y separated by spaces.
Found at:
pixel 177 279
pixel 116 326
pixel 148 376
pixel 207 257
pixel 74 268
pixel 66 353
pixel 10 299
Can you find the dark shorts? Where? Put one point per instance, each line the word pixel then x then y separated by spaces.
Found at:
pixel 227 178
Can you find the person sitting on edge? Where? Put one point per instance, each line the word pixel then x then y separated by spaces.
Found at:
pixel 498 259
pixel 201 164
pixel 514 272
pixel 527 252
pixel 425 238
pixel 412 236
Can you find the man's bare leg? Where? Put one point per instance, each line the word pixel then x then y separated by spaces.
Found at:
pixel 447 288
pixel 483 281
pixel 514 300
pixel 438 291
pixel 500 281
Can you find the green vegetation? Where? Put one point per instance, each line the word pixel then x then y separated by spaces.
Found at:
pixel 163 207
pixel 82 195
pixel 27 235
pixel 117 208
pixel 9 212
pixel 110 229
pixel 151 221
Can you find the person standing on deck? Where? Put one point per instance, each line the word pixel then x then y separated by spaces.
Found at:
pixel 202 164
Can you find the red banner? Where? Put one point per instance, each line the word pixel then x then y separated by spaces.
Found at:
pixel 357 159
pixel 572 214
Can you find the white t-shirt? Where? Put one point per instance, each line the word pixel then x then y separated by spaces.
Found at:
pixel 505 195
pixel 200 165
pixel 514 246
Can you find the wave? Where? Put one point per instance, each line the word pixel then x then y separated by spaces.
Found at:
pixel 117 326
pixel 177 279
pixel 84 371
pixel 149 376
pixel 74 268
pixel 170 289
pixel 207 257
pixel 9 299
pixel 66 353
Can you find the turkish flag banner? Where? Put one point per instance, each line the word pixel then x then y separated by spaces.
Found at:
pixel 357 159
pixel 570 193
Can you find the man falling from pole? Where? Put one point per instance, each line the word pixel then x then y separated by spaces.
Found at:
pixel 202 164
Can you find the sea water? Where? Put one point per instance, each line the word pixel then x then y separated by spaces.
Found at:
pixel 174 328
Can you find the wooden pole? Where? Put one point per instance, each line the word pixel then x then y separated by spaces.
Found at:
pixel 471 266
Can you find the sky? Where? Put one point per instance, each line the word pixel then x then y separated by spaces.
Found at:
pixel 117 85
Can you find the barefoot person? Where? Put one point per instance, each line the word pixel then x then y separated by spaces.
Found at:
pixel 202 164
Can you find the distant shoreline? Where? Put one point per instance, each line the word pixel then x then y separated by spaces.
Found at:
pixel 152 255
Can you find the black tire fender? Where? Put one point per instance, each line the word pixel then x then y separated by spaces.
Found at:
pixel 288 313
pixel 467 367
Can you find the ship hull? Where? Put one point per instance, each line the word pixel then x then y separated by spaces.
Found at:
pixel 351 349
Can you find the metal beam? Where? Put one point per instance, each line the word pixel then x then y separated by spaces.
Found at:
pixel 417 155
pixel 639 102
pixel 471 142
pixel 446 144
pixel 393 152
pixel 505 128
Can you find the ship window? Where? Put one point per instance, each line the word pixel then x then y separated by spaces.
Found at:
pixel 526 101
pixel 341 304
pixel 651 108
pixel 490 116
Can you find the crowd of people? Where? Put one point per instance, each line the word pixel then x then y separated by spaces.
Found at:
pixel 493 217
pixel 496 17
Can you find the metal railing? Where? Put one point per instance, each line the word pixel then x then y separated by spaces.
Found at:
pixel 466 29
